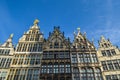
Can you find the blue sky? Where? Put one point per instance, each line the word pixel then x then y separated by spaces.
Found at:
pixel 95 17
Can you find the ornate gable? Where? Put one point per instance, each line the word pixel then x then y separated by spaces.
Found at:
pixel 33 34
pixel 104 43
pixel 8 43
pixel 81 42
pixel 57 40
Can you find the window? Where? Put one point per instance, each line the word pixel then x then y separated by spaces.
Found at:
pixel 3 75
pixel 81 58
pixel 67 55
pixel 67 68
pixel 37 61
pixel 98 74
pixel 49 68
pixel 61 69
pixel 116 64
pixel 56 45
pixel 83 74
pixel 87 58
pixel 110 65
pixel 44 69
pixel 8 63
pixel 61 55
pixel 114 77
pixel 50 45
pixel 113 52
pixel 26 61
pixel 55 68
pixel 108 77
pixel 94 58
pixel 76 73
pixel 36 74
pixel 104 65
pixel 6 51
pixel 103 53
pixel 29 75
pixel 74 58
pixel 90 74
pixel 20 61
pixel 108 52
pixel 61 45
pixel 32 61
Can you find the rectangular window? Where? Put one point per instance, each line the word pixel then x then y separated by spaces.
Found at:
pixel 55 68
pixel 108 52
pixel 94 58
pixel 81 58
pixel 61 55
pixel 110 65
pixel 67 68
pixel 113 52
pixel 103 53
pixel 104 65
pixel 108 77
pixel 114 77
pixel 116 64
pixel 49 69
pixel 74 58
pixel 87 58
pixel 61 69
pixel 32 61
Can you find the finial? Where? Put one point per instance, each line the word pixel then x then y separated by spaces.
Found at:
pixel 92 39
pixel 36 21
pixel 85 34
pixel 78 29
pixel 102 37
pixel 11 36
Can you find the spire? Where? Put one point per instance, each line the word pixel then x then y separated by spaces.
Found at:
pixel 92 40
pixel 8 43
pixel 102 38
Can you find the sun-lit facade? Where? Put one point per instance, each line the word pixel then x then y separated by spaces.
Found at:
pixel 27 58
pixel 6 56
pixel 109 57
pixel 85 64
pixel 58 58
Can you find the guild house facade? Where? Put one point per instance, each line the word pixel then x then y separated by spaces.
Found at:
pixel 57 58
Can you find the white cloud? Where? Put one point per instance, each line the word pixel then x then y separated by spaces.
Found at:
pixel 112 34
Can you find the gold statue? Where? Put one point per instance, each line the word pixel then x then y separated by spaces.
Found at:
pixel 36 21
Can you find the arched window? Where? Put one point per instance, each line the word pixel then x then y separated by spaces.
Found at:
pixel 67 68
pixel 98 74
pixel 61 68
pixel 90 74
pixel 76 73
pixel 55 68
pixel 44 68
pixel 83 74
pixel 50 70
pixel 56 45
pixel 75 70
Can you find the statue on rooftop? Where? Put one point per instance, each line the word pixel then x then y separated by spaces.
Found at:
pixel 36 21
